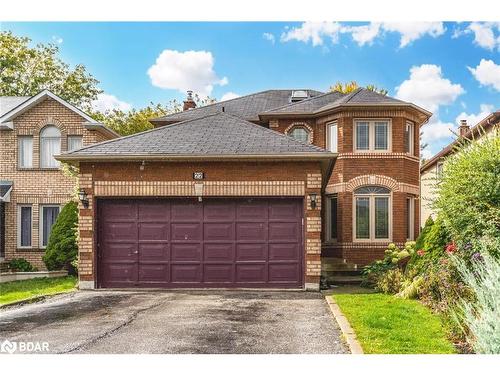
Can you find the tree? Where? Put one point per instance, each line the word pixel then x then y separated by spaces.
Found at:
pixel 137 120
pixel 62 248
pixel 468 191
pixel 347 87
pixel 26 70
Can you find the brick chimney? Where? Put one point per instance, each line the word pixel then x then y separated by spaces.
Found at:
pixel 464 128
pixel 189 102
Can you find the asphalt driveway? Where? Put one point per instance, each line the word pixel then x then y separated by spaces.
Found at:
pixel 177 322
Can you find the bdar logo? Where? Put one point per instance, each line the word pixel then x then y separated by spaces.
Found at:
pixel 8 347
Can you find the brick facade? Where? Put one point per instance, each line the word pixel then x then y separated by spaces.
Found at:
pixel 37 186
pixel 394 169
pixel 231 179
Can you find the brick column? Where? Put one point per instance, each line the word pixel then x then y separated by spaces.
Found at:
pixel 86 236
pixel 313 232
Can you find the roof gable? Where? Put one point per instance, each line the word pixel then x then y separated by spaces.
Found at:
pixel 34 100
pixel 219 134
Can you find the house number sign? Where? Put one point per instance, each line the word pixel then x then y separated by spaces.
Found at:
pixel 198 175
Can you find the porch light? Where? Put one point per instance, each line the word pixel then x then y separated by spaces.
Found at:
pixel 82 196
pixel 313 196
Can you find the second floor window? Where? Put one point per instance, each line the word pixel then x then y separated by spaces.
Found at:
pixel 300 134
pixel 25 152
pixel 75 142
pixel 50 145
pixel 408 138
pixel 372 135
pixel 333 137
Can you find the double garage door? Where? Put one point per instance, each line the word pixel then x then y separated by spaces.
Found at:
pixel 179 243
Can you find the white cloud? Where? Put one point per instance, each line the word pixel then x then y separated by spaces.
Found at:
pixel 57 39
pixel 411 31
pixel 228 96
pixel 484 34
pixel 428 88
pixel 364 34
pixel 270 37
pixel 105 102
pixel 190 70
pixel 474 118
pixel 487 73
pixel 436 130
pixel 313 32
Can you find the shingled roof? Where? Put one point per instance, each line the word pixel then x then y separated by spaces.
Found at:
pixel 219 134
pixel 7 103
pixel 247 107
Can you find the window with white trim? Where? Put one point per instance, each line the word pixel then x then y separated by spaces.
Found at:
pixel 48 216
pixel 331 218
pixel 50 145
pixel 410 218
pixel 439 169
pixel 333 137
pixel 74 142
pixel 372 135
pixel 408 141
pixel 24 225
pixel 372 208
pixel 25 152
pixel 299 133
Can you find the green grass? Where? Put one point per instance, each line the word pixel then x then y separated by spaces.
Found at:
pixel 19 290
pixel 385 324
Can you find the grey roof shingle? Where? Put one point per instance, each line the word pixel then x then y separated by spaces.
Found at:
pixel 214 134
pixel 333 99
pixel 7 103
pixel 247 107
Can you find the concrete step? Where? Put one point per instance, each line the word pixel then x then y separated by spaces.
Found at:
pixel 342 280
pixel 339 267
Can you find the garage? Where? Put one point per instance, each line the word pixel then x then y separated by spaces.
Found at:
pixel 215 242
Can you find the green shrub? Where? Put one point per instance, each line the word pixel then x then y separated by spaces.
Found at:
pixel 21 265
pixel 419 244
pixel 62 248
pixel 468 193
pixel 480 316
pixel 390 281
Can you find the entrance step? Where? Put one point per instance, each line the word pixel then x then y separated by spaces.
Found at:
pixel 337 271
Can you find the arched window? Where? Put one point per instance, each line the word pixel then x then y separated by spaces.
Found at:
pixel 299 133
pixel 372 213
pixel 50 145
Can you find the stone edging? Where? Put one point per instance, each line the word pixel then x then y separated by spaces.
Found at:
pixel 345 327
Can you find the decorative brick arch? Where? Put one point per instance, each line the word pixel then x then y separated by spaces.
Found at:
pixel 301 125
pixel 372 179
pixel 50 121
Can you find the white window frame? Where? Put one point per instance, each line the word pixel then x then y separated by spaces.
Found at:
pixel 439 169
pixel 371 134
pixel 329 127
pixel 19 156
pixel 19 206
pixel 371 208
pixel 411 217
pixel 41 150
pixel 74 136
pixel 329 219
pixel 40 221
pixel 411 141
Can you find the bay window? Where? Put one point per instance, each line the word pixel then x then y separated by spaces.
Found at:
pixel 331 218
pixel 50 145
pixel 332 137
pixel 408 141
pixel 372 209
pixel 410 218
pixel 372 135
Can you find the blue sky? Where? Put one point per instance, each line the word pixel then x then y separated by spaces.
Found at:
pixel 451 69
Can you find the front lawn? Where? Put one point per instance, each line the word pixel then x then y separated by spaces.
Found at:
pixel 20 290
pixel 385 324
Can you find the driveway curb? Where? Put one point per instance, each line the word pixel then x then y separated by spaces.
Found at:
pixel 345 327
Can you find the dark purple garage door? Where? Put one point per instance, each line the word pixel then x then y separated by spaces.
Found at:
pixel 215 243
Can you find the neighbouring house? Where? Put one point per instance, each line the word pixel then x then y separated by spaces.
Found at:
pixel 432 168
pixel 250 192
pixel 33 187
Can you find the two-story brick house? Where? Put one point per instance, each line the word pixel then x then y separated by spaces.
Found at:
pixel 250 192
pixel 33 188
